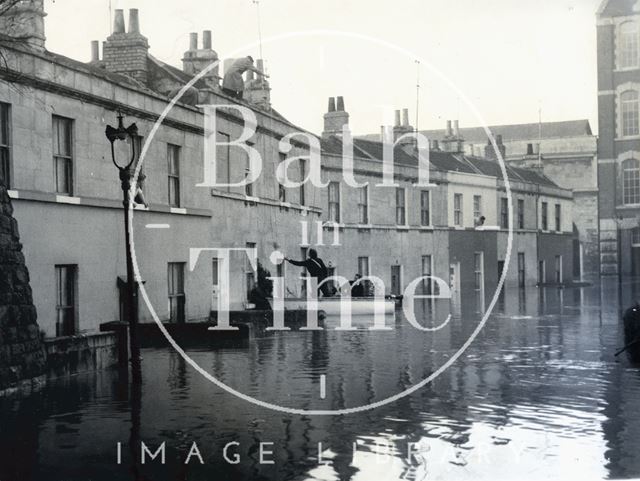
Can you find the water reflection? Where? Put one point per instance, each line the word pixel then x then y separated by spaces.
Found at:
pixel 538 394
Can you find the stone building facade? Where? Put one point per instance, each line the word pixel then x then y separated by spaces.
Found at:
pixel 618 25
pixel 456 230
pixel 57 165
pixel 565 152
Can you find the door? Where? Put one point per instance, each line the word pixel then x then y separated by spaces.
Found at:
pixel 176 292
pixel 454 277
pixel 559 269
pixel 396 280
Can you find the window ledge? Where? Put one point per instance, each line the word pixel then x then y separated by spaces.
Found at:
pixel 402 227
pixel 624 138
pixel 36 196
pixel 626 69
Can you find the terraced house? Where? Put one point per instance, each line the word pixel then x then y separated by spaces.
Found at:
pixel 67 197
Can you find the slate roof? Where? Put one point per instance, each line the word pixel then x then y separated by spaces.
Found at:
pixel 550 130
pixel 442 161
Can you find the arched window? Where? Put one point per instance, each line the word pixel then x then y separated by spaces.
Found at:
pixel 631 181
pixel 630 106
pixel 629 45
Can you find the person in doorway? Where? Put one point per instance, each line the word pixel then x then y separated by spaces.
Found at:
pixel 316 268
pixel 233 83
pixel 357 289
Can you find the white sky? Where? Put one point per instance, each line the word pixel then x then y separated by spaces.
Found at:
pixel 506 56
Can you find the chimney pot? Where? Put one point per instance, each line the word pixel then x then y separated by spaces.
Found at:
pixel 95 51
pixel 193 41
pixel 134 21
pixel 206 39
pixel 449 128
pixel 456 128
pixel 397 124
pixel 499 139
pixel 118 21
pixel 332 105
pixel 405 117
pixel 260 65
pixel 340 104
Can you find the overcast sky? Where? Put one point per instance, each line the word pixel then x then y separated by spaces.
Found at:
pixel 507 57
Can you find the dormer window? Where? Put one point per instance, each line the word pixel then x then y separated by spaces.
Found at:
pixel 629 45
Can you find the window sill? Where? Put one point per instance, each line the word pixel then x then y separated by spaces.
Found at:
pixel 36 196
pixel 625 138
pixel 626 69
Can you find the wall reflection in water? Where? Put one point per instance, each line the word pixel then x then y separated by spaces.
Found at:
pixel 537 394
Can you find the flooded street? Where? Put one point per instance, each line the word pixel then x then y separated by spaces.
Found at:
pixel 538 394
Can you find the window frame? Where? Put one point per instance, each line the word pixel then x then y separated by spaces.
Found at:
pixel 558 217
pixel 504 213
pixel 477 207
pixel 6 146
pixel 64 328
pixel 302 193
pixel 336 203
pixel 630 181
pixel 629 113
pixel 401 206
pixel 520 213
pixel 66 158
pixel 363 205
pixel 173 295
pixel 458 211
pixel 425 212
pixel 173 178
pixel 544 216
pixel 625 58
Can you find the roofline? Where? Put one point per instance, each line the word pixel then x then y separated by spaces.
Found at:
pixel 126 82
pixel 603 5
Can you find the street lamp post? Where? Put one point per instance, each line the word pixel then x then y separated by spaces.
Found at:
pixel 126 181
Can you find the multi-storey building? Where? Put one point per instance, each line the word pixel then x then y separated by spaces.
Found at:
pixel 57 164
pixel 619 135
pixel 456 230
pixel 565 152
pixel 67 196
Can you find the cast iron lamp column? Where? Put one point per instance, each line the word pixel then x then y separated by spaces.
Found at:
pixel 126 181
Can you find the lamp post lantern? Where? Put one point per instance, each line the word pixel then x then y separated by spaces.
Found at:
pixel 126 173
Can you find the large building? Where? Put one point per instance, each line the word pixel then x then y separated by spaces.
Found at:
pixel 619 135
pixel 57 164
pixel 565 152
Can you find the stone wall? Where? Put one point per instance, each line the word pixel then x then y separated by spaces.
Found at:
pixel 21 351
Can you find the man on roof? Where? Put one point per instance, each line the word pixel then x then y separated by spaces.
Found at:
pixel 233 83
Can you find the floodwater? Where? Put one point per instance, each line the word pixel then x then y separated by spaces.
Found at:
pixel 538 394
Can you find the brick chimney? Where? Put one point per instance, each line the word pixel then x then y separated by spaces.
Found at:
pixel 403 127
pixel 126 52
pixel 197 59
pixel 335 118
pixel 25 21
pixel 453 141
pixel 256 89
pixel 489 151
